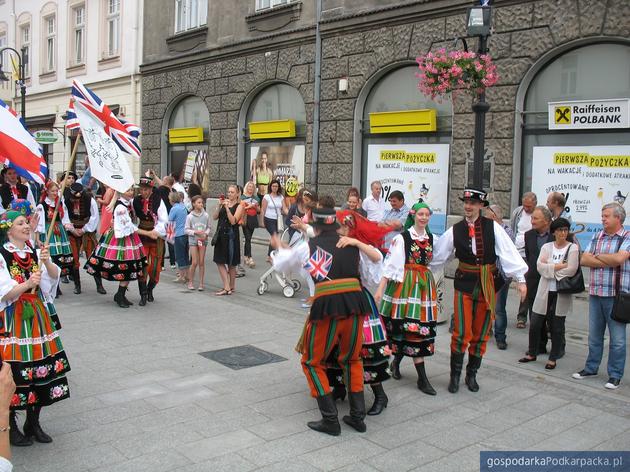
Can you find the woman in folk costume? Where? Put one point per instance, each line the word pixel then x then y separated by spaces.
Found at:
pixel 375 350
pixel 60 250
pixel 408 294
pixel 30 340
pixel 119 255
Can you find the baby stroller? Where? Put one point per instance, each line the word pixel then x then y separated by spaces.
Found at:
pixel 289 286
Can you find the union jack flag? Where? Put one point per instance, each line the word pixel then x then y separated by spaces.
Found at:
pixel 170 232
pixel 319 264
pixel 125 134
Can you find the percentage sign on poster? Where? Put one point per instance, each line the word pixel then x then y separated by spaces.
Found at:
pixel 386 190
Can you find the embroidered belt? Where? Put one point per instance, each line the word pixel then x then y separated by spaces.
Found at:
pixel 336 286
pixel 418 267
pixel 487 281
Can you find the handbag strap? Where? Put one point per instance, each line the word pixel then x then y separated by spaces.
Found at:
pixel 618 274
pixel 566 254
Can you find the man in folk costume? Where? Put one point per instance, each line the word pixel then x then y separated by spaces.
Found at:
pixel 337 313
pixel 84 217
pixel 477 243
pixel 12 189
pixel 152 220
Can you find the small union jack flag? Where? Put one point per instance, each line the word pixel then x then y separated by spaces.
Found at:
pixel 126 135
pixel 170 232
pixel 319 264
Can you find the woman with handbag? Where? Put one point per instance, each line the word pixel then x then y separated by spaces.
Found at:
pixel 273 208
pixel 227 250
pixel 251 205
pixel 558 265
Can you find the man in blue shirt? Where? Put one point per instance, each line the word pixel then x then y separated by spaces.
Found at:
pixel 395 217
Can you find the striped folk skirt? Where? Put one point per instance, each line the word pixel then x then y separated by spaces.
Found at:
pixel 117 259
pixel 410 311
pixel 375 350
pixel 59 247
pixel 33 349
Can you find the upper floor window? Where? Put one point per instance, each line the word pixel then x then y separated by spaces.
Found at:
pixel 265 4
pixel 25 44
pixel 190 14
pixel 113 28
pixel 5 56
pixel 78 35
pixel 49 37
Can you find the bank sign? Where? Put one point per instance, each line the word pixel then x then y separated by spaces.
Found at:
pixel 590 114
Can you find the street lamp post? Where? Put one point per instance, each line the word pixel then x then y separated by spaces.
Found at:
pixel 21 81
pixel 479 24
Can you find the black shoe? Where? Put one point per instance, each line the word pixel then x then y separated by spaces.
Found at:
pixel 457 363
pixel 99 285
pixel 143 292
pixel 33 429
pixel 612 384
pixel 501 345
pixel 65 279
pixel 357 412
pixel 329 424
pixel 395 367
pixel 124 296
pixel 380 400
pixel 474 363
pixel 150 286
pixel 59 292
pixel 583 374
pixel 119 298
pixel 16 438
pixel 339 392
pixel 76 278
pixel 423 382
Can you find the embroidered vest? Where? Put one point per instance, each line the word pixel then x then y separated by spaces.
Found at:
pixel 20 269
pixel 79 210
pixel 7 195
pixel 417 252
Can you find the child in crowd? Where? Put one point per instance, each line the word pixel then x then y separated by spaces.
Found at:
pixel 178 215
pixel 197 230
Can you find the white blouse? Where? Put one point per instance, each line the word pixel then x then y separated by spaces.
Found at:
pixel 41 224
pixel 394 267
pixel 48 285
pixel 92 223
pixel 123 226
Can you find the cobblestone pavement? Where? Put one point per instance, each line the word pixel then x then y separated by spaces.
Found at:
pixel 143 399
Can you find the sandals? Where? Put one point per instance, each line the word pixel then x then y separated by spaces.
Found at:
pixel 521 325
pixel 550 365
pixel 223 292
pixel 525 359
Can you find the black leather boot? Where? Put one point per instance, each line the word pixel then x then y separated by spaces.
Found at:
pixel 457 362
pixel 99 285
pixel 380 400
pixel 339 392
pixel 474 363
pixel 76 277
pixel 357 411
pixel 32 427
pixel 395 367
pixel 59 292
pixel 142 285
pixel 119 298
pixel 65 279
pixel 125 296
pixel 329 424
pixel 150 286
pixel 16 438
pixel 423 382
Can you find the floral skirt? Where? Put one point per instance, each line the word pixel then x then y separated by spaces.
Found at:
pixel 33 349
pixel 410 311
pixel 117 259
pixel 59 246
pixel 374 352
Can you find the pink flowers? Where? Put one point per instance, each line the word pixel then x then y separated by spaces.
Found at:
pixel 442 73
pixel 41 372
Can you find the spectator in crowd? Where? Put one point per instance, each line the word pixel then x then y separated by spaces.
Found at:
pixel 520 222
pixel 198 230
pixel 375 205
pixel 164 189
pixel 178 178
pixel 395 217
pixel 353 202
pixel 251 205
pixel 193 190
pixel 177 215
pixel 535 238
pixel 7 389
pixel 105 203
pixel 495 213
pixel 557 260
pixel 273 209
pixel 227 251
pixel 608 257
pixel 304 204
pixel 556 202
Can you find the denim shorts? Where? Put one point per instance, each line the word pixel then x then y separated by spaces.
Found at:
pixel 181 252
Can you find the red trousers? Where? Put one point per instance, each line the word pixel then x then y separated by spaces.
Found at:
pixel 471 324
pixel 87 242
pixel 320 338
pixel 154 251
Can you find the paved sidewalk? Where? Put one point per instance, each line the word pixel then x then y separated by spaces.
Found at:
pixel 143 399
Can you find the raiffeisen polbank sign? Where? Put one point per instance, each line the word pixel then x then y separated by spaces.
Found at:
pixel 590 114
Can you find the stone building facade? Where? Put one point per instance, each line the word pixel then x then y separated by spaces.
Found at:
pixel 241 51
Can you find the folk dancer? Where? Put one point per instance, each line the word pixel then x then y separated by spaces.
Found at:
pixel 84 217
pixel 336 315
pixel 29 326
pixel 119 255
pixel 477 242
pixel 152 220
pixel 12 189
pixel 409 295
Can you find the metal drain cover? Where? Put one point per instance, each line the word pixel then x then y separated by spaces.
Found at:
pixel 242 357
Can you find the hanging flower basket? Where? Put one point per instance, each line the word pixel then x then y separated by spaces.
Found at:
pixel 443 73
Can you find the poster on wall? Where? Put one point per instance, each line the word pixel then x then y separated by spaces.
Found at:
pixel 588 176
pixel 195 168
pixel 417 170
pixel 285 162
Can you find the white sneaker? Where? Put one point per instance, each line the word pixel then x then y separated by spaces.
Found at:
pixel 582 375
pixel 612 384
pixel 306 305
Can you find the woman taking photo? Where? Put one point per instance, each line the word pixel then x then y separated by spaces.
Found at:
pixel 409 297
pixel 227 251
pixel 251 206
pixel 557 259
pixel 273 210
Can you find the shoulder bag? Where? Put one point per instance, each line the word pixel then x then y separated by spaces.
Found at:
pixel 621 306
pixel 278 214
pixel 573 284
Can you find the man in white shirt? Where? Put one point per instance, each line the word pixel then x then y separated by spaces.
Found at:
pixel 375 205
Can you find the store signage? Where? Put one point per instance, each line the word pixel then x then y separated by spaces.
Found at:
pixel 590 114
pixel 588 176
pixel 418 171
pixel 45 137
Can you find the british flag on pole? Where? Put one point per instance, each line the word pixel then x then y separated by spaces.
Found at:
pixel 319 264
